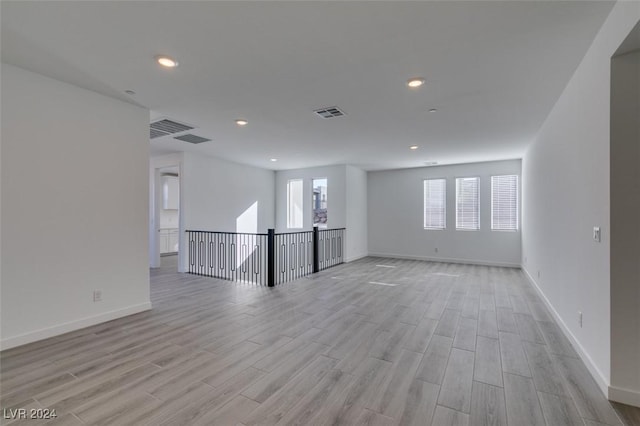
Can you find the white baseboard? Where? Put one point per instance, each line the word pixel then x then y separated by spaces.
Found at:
pixel 447 260
pixel 356 257
pixel 597 375
pixel 624 396
pixel 56 330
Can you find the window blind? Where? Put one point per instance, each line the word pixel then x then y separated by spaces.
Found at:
pixel 468 203
pixel 435 201
pixel 504 203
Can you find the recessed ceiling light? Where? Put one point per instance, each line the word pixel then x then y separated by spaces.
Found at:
pixel 241 122
pixel 274 159
pixel 433 110
pixel 166 61
pixel 130 92
pixel 413 147
pixel 415 82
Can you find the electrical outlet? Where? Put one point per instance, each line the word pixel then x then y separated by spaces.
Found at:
pixel 580 318
pixel 436 249
pixel 97 295
pixel 538 273
pixel 525 259
pixel 596 234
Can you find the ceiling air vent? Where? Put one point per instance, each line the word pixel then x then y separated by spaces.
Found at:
pixel 330 112
pixel 192 138
pixel 153 133
pixel 169 126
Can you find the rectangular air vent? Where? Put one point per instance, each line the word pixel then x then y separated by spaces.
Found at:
pixel 169 126
pixel 192 138
pixel 330 112
pixel 153 133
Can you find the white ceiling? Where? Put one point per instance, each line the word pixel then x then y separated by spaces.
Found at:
pixel 493 71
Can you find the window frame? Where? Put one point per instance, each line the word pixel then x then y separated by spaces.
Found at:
pixel 289 205
pixel 517 203
pixel 478 203
pixel 424 209
pixel 319 225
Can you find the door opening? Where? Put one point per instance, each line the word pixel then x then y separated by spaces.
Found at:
pixel 169 213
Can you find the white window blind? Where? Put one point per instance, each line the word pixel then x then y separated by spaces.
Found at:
pixel 504 203
pixel 435 201
pixel 294 203
pixel 468 203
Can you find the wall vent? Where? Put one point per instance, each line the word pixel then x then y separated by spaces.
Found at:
pixel 329 112
pixel 169 126
pixel 192 138
pixel 153 133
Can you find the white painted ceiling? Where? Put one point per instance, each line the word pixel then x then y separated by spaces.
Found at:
pixel 493 71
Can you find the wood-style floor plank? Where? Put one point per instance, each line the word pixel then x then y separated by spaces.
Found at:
pixel 435 359
pixel 455 392
pixel 420 403
pixel 523 406
pixel 487 405
pixel 512 354
pixel 444 416
pixel 488 368
pixel 559 410
pixel 449 344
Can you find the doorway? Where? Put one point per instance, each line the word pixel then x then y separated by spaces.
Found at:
pixel 166 210
pixel 625 227
pixel 169 213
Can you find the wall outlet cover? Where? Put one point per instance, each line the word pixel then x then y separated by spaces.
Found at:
pixel 596 234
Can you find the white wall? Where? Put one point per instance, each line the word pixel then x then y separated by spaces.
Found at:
pixel 625 223
pixel 396 217
pixel 218 195
pixel 336 196
pixel 346 203
pixel 566 193
pixel 74 207
pixel 356 220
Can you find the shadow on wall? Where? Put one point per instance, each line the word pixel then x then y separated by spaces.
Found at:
pixel 247 222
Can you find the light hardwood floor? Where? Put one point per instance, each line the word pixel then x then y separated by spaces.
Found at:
pixel 377 342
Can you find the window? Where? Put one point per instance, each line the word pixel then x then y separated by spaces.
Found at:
pixel 294 203
pixel 504 203
pixel 468 203
pixel 319 205
pixel 435 202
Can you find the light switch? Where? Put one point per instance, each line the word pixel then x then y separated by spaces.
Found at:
pixel 596 234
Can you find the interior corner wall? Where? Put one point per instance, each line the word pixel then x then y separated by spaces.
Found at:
pixel 74 219
pixel 356 214
pixel 336 196
pixel 625 226
pixel 346 203
pixel 215 193
pixel 566 193
pixel 396 217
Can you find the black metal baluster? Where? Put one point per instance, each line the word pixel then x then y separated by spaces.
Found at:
pixel 271 257
pixel 316 246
